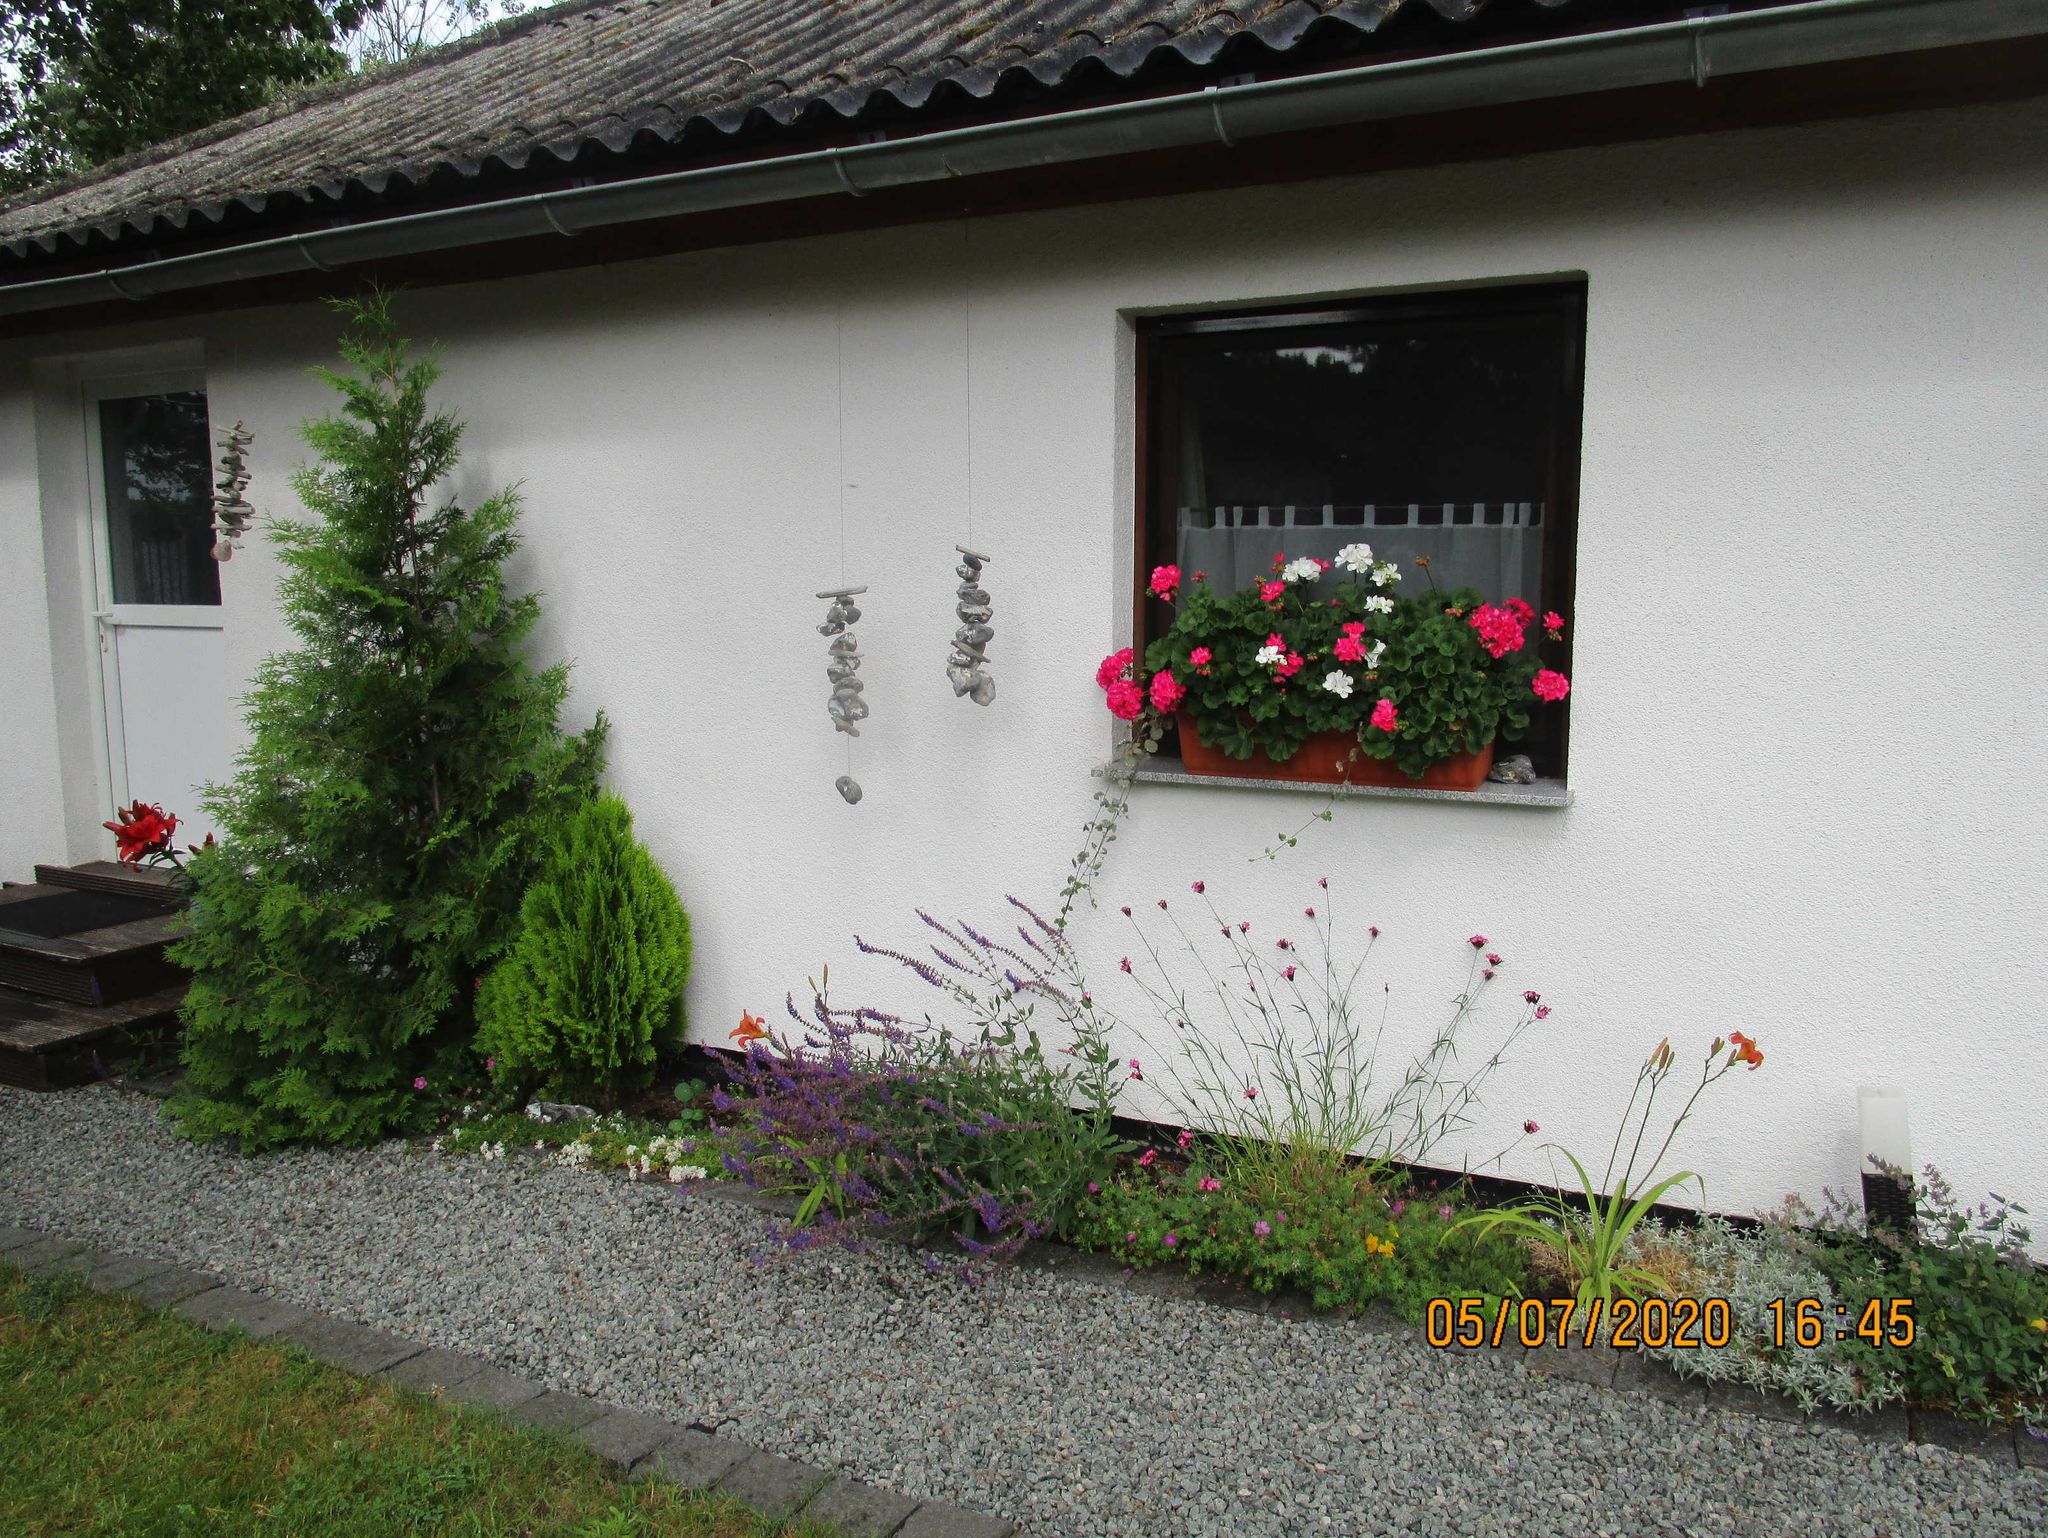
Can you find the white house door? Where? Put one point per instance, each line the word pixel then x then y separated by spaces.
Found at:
pixel 163 655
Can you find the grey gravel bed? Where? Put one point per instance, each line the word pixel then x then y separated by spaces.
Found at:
pixel 1075 1408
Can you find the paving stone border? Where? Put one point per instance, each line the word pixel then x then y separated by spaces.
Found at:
pixel 643 1446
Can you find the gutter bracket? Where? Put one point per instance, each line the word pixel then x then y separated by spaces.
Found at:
pixel 311 259
pixel 115 284
pixel 839 165
pixel 1216 114
pixel 1696 33
pixel 547 212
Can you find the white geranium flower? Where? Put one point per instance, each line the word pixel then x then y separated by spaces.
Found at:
pixel 1269 655
pixel 1301 569
pixel 1379 603
pixel 1384 573
pixel 1372 658
pixel 1356 558
pixel 1338 683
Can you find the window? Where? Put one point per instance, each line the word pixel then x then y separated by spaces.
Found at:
pixel 1442 426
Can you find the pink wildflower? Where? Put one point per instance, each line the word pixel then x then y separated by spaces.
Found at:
pixel 1198 887
pixel 1113 667
pixel 1130 1238
pixel 1308 913
pixel 1208 1183
pixel 1486 972
pixel 1288 971
pixel 1148 1158
pixel 1093 1188
pixel 1373 930
pixel 1125 910
pixel 1186 1137
pixel 490 1065
pixel 1126 963
pixel 1477 942
pixel 1243 925
pixel 1384 716
pixel 1171 1240
pixel 1126 700
pixel 1164 580
pixel 420 1082
pixel 1262 1228
pixel 1551 685
pixel 1323 882
pixel 1167 691
pixel 1493 958
pixel 1530 996
pixel 1542 1011
pixel 1284 943
pixel 1531 1128
pixel 1443 1212
pixel 1500 632
pixel 1251 1092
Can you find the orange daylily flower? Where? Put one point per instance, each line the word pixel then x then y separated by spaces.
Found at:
pixel 750 1029
pixel 1745 1050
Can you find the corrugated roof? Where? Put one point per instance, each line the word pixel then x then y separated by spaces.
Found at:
pixel 582 85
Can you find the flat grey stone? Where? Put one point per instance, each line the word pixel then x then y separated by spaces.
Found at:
pixel 553 1410
pixel 230 1308
pixel 15 1238
pixel 625 1436
pixel 1744 1400
pixel 693 1459
pixel 117 1273
pixel 775 1487
pixel 494 1389
pixel 934 1519
pixel 1639 1374
pixel 1890 1424
pixel 2032 1447
pixel 174 1284
pixel 44 1255
pixel 1583 1364
pixel 79 1263
pixel 432 1370
pixel 352 1347
pixel 1991 1443
pixel 856 1510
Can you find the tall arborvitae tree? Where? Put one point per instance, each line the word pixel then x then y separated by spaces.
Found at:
pixel 404 775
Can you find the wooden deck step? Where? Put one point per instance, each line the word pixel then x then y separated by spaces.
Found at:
pixel 112 876
pixel 90 947
pixel 46 1045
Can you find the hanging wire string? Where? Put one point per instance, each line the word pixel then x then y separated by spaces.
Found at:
pixel 967 365
pixel 839 433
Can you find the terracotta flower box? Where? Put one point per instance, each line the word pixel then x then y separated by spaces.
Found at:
pixel 1331 758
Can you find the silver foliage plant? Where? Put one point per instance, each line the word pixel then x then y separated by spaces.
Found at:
pixel 1276 1044
pixel 1752 1268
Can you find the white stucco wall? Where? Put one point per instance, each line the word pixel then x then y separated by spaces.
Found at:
pixel 1808 727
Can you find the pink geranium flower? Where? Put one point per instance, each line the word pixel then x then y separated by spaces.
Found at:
pixel 1272 592
pixel 1164 580
pixel 1553 622
pixel 1349 649
pixel 1288 665
pixel 1116 665
pixel 1500 631
pixel 1126 700
pixel 1385 717
pixel 1199 658
pixel 1521 609
pixel 1167 692
pixel 1551 685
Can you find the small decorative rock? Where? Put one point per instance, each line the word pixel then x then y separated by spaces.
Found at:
pixel 550 1111
pixel 231 511
pixel 967 665
pixel 1513 770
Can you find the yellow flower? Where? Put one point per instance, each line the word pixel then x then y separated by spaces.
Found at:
pixel 2038 1324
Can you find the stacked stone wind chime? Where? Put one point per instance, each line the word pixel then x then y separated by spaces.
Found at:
pixel 846 707
pixel 231 511
pixel 967 667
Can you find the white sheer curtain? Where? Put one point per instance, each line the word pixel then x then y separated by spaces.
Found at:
pixel 1496 547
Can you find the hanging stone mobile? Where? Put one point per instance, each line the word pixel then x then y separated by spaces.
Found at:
pixel 846 707
pixel 231 511
pixel 967 667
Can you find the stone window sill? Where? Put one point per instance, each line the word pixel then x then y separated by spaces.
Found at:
pixel 1546 794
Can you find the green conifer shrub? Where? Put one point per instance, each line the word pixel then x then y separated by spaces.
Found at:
pixel 592 986
pixel 404 774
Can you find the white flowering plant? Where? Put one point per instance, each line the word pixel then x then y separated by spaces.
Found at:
pixel 1330 647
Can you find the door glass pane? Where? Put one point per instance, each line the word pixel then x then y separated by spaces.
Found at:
pixel 159 498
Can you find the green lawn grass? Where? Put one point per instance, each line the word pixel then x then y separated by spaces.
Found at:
pixel 117 1420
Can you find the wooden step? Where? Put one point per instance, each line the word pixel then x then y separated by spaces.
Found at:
pixel 113 876
pixel 47 1045
pixel 86 947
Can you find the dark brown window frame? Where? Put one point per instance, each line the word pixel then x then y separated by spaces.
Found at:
pixel 1562 299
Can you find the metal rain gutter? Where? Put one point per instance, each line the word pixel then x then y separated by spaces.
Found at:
pixel 1819 32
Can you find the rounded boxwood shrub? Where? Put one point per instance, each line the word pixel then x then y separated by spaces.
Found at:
pixel 593 982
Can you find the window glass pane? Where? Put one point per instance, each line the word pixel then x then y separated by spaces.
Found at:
pixel 159 498
pixel 1421 436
